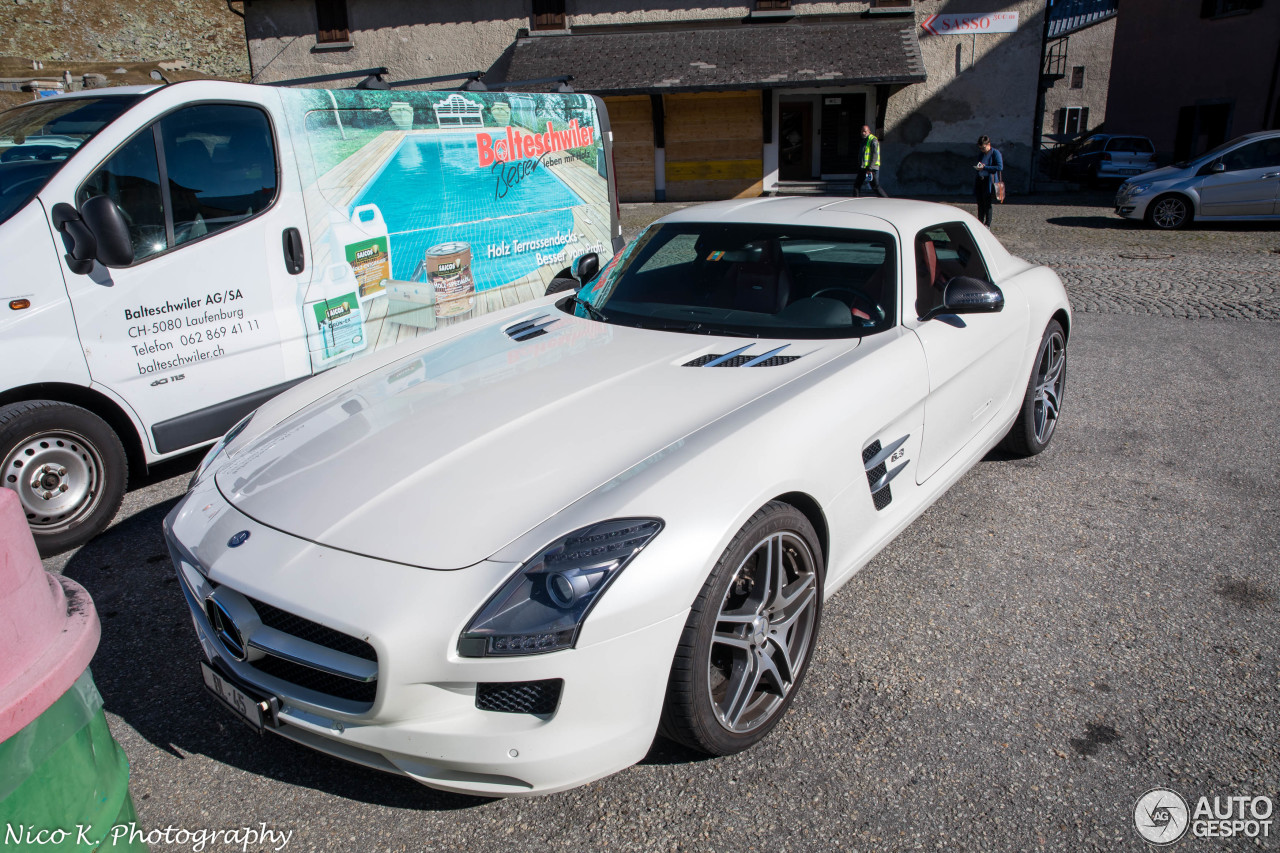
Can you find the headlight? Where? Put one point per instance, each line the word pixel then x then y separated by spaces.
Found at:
pixel 217 448
pixel 1138 189
pixel 542 606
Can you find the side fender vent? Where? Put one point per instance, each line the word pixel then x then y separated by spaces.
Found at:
pixel 876 460
pixel 741 358
pixel 532 328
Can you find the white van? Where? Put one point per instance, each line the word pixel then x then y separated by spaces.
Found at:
pixel 174 256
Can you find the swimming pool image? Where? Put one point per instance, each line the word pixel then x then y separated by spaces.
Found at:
pixel 431 190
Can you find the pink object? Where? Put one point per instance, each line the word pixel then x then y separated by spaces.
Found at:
pixel 49 628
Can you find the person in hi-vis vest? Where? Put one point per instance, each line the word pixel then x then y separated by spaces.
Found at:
pixel 870 164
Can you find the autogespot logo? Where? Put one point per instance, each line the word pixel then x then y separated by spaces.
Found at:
pixel 1160 816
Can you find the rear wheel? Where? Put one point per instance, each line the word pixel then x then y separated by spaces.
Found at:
pixel 67 467
pixel 749 637
pixel 1038 417
pixel 1169 212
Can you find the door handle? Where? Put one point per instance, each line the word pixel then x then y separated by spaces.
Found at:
pixel 1272 175
pixel 295 260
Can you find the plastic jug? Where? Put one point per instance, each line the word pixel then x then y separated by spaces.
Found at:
pixel 362 242
pixel 334 315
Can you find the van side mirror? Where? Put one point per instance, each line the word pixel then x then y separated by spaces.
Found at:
pixel 78 240
pixel 95 232
pixel 106 221
pixel 585 267
pixel 966 295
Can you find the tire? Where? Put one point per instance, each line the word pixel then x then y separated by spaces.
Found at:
pixel 736 672
pixel 70 455
pixel 1169 212
pixel 1042 403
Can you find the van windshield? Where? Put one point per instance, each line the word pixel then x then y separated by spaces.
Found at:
pixel 36 140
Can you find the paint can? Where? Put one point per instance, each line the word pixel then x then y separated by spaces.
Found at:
pixel 448 268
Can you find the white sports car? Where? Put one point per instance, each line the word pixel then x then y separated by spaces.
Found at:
pixel 502 561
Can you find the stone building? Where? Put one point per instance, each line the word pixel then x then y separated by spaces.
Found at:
pixel 1193 74
pixel 1077 69
pixel 715 99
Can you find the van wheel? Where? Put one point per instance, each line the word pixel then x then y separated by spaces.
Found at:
pixel 68 468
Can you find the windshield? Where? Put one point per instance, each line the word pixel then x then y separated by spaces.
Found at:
pixel 36 140
pixel 749 280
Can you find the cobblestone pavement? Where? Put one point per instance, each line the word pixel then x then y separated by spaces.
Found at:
pixel 1113 266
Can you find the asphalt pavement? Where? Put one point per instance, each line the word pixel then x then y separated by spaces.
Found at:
pixel 1052 639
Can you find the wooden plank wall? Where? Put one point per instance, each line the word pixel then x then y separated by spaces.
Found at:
pixel 714 145
pixel 631 118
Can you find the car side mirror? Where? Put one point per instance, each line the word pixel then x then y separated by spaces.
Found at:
pixel 1219 166
pixel 585 267
pixel 966 295
pixel 95 232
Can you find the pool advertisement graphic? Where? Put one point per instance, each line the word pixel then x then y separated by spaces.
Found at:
pixel 429 208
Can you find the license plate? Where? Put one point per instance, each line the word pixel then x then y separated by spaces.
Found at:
pixel 251 710
pixel 1130 172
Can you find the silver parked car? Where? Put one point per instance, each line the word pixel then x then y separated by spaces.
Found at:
pixel 1104 156
pixel 1239 180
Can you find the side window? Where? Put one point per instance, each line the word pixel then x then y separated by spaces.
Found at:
pixel 1247 157
pixel 221 164
pixel 131 177
pixel 942 253
pixel 220 167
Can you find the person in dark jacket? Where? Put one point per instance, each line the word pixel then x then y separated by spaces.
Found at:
pixel 988 171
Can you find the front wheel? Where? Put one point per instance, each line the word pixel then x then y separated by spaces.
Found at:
pixel 749 636
pixel 68 468
pixel 1169 213
pixel 1042 401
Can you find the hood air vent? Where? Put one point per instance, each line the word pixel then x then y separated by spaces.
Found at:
pixel 526 329
pixel 741 358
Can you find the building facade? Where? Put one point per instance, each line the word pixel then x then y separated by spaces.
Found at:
pixel 713 99
pixel 1195 73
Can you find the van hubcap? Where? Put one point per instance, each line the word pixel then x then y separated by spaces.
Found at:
pixel 58 478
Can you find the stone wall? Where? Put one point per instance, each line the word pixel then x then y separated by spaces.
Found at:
pixel 205 33
pixel 978 84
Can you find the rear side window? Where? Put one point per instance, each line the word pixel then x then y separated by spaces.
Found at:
pixel 942 253
pixel 197 171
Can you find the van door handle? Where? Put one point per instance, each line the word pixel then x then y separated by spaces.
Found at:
pixel 295 261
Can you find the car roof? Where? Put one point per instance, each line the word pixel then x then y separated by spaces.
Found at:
pixel 871 214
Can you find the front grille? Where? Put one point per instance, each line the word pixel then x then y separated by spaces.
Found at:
pixel 314 679
pixel 739 360
pixel 520 697
pixel 313 632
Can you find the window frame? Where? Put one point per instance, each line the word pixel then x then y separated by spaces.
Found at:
pixel 166 200
pixel 331 36
pixel 554 20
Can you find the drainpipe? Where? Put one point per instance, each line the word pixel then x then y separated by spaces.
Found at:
pixel 1037 132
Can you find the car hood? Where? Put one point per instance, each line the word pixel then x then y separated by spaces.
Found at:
pixel 440 459
pixel 1164 173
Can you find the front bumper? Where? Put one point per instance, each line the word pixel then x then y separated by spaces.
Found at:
pixel 1132 206
pixel 421 717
